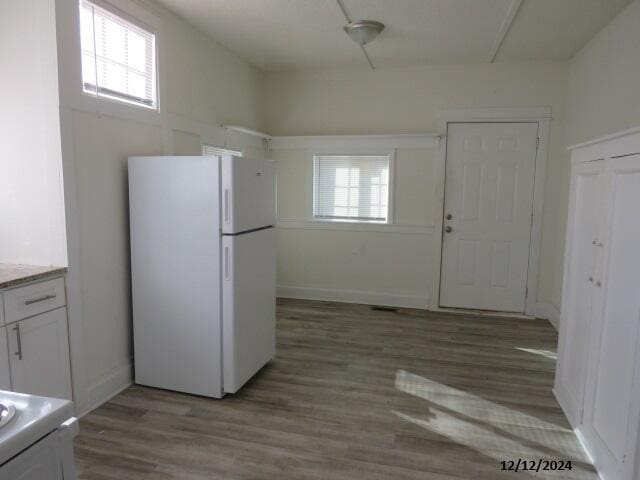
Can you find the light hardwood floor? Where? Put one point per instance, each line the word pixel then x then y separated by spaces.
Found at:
pixel 354 393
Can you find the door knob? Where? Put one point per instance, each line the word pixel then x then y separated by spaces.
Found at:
pixel 449 216
pixel 448 229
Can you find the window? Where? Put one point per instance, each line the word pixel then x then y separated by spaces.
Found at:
pixel 213 150
pixel 351 188
pixel 118 57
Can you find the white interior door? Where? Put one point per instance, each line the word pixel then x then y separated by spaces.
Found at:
pixel 612 402
pixel 490 172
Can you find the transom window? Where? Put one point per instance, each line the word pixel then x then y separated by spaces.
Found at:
pixel 351 188
pixel 118 57
pixel 217 151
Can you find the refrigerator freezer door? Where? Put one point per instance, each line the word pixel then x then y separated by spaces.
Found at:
pixel 248 194
pixel 249 303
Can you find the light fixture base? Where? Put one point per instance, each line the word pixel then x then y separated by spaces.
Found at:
pixel 363 31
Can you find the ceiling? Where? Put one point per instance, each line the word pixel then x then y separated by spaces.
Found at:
pixel 280 35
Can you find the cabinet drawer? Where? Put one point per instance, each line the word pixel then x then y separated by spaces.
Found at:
pixel 33 299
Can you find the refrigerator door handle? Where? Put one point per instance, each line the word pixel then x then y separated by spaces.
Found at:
pixel 226 205
pixel 226 263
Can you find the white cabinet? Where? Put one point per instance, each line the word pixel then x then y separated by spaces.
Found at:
pixel 583 226
pixel 598 376
pixel 5 374
pixel 39 355
pixel 34 344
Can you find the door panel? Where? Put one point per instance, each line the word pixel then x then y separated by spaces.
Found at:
pixel 39 352
pixel 490 173
pixel 249 295
pixel 248 194
pixel 611 405
pixel 583 228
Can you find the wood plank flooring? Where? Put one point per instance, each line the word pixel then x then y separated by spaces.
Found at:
pixel 354 393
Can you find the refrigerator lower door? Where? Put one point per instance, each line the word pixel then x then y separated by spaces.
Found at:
pixel 249 303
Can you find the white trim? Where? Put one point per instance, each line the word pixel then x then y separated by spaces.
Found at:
pixel 617 144
pixel 352 296
pixel 107 388
pixel 499 114
pixel 481 313
pixel 535 245
pixel 548 312
pixel 73 280
pixel 307 292
pixel 539 115
pixel 505 26
pixel 248 131
pixel 295 224
pixel 606 138
pixel 429 140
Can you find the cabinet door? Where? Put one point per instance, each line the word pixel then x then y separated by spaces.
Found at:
pixel 39 352
pixel 612 399
pixel 38 462
pixel 5 375
pixel 583 227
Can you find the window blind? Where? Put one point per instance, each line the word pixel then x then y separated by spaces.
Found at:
pixel 213 150
pixel 351 187
pixel 118 57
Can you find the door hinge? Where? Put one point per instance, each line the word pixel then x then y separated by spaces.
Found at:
pixel 526 293
pixel 537 143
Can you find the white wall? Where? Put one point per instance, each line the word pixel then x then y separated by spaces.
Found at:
pixel 201 86
pixel 604 80
pixel 373 264
pixel 32 225
pixel 603 98
pixel 387 101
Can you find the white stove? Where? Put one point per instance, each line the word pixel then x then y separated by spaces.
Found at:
pixel 36 437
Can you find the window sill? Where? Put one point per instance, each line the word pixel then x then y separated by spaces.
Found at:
pixel 292 224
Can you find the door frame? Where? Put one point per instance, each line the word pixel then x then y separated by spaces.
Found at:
pixel 541 116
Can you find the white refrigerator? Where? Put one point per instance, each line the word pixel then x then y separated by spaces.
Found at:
pixel 203 267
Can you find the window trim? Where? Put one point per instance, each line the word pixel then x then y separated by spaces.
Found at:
pixel 351 151
pixel 231 151
pixel 120 8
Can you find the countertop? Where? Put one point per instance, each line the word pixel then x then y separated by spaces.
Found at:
pixel 12 274
pixel 35 417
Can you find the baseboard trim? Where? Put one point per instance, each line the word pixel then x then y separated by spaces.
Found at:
pixel 548 312
pixel 107 388
pixel 352 296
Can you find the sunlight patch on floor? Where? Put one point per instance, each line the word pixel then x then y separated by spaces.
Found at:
pixel 487 427
pixel 543 353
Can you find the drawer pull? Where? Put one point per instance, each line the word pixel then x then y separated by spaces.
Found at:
pixel 19 341
pixel 41 299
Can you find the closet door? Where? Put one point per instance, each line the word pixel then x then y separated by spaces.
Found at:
pixel 612 400
pixel 580 265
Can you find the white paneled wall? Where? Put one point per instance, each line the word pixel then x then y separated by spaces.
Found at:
pixel 202 85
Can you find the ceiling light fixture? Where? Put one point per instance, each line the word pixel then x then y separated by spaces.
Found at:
pixel 363 31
